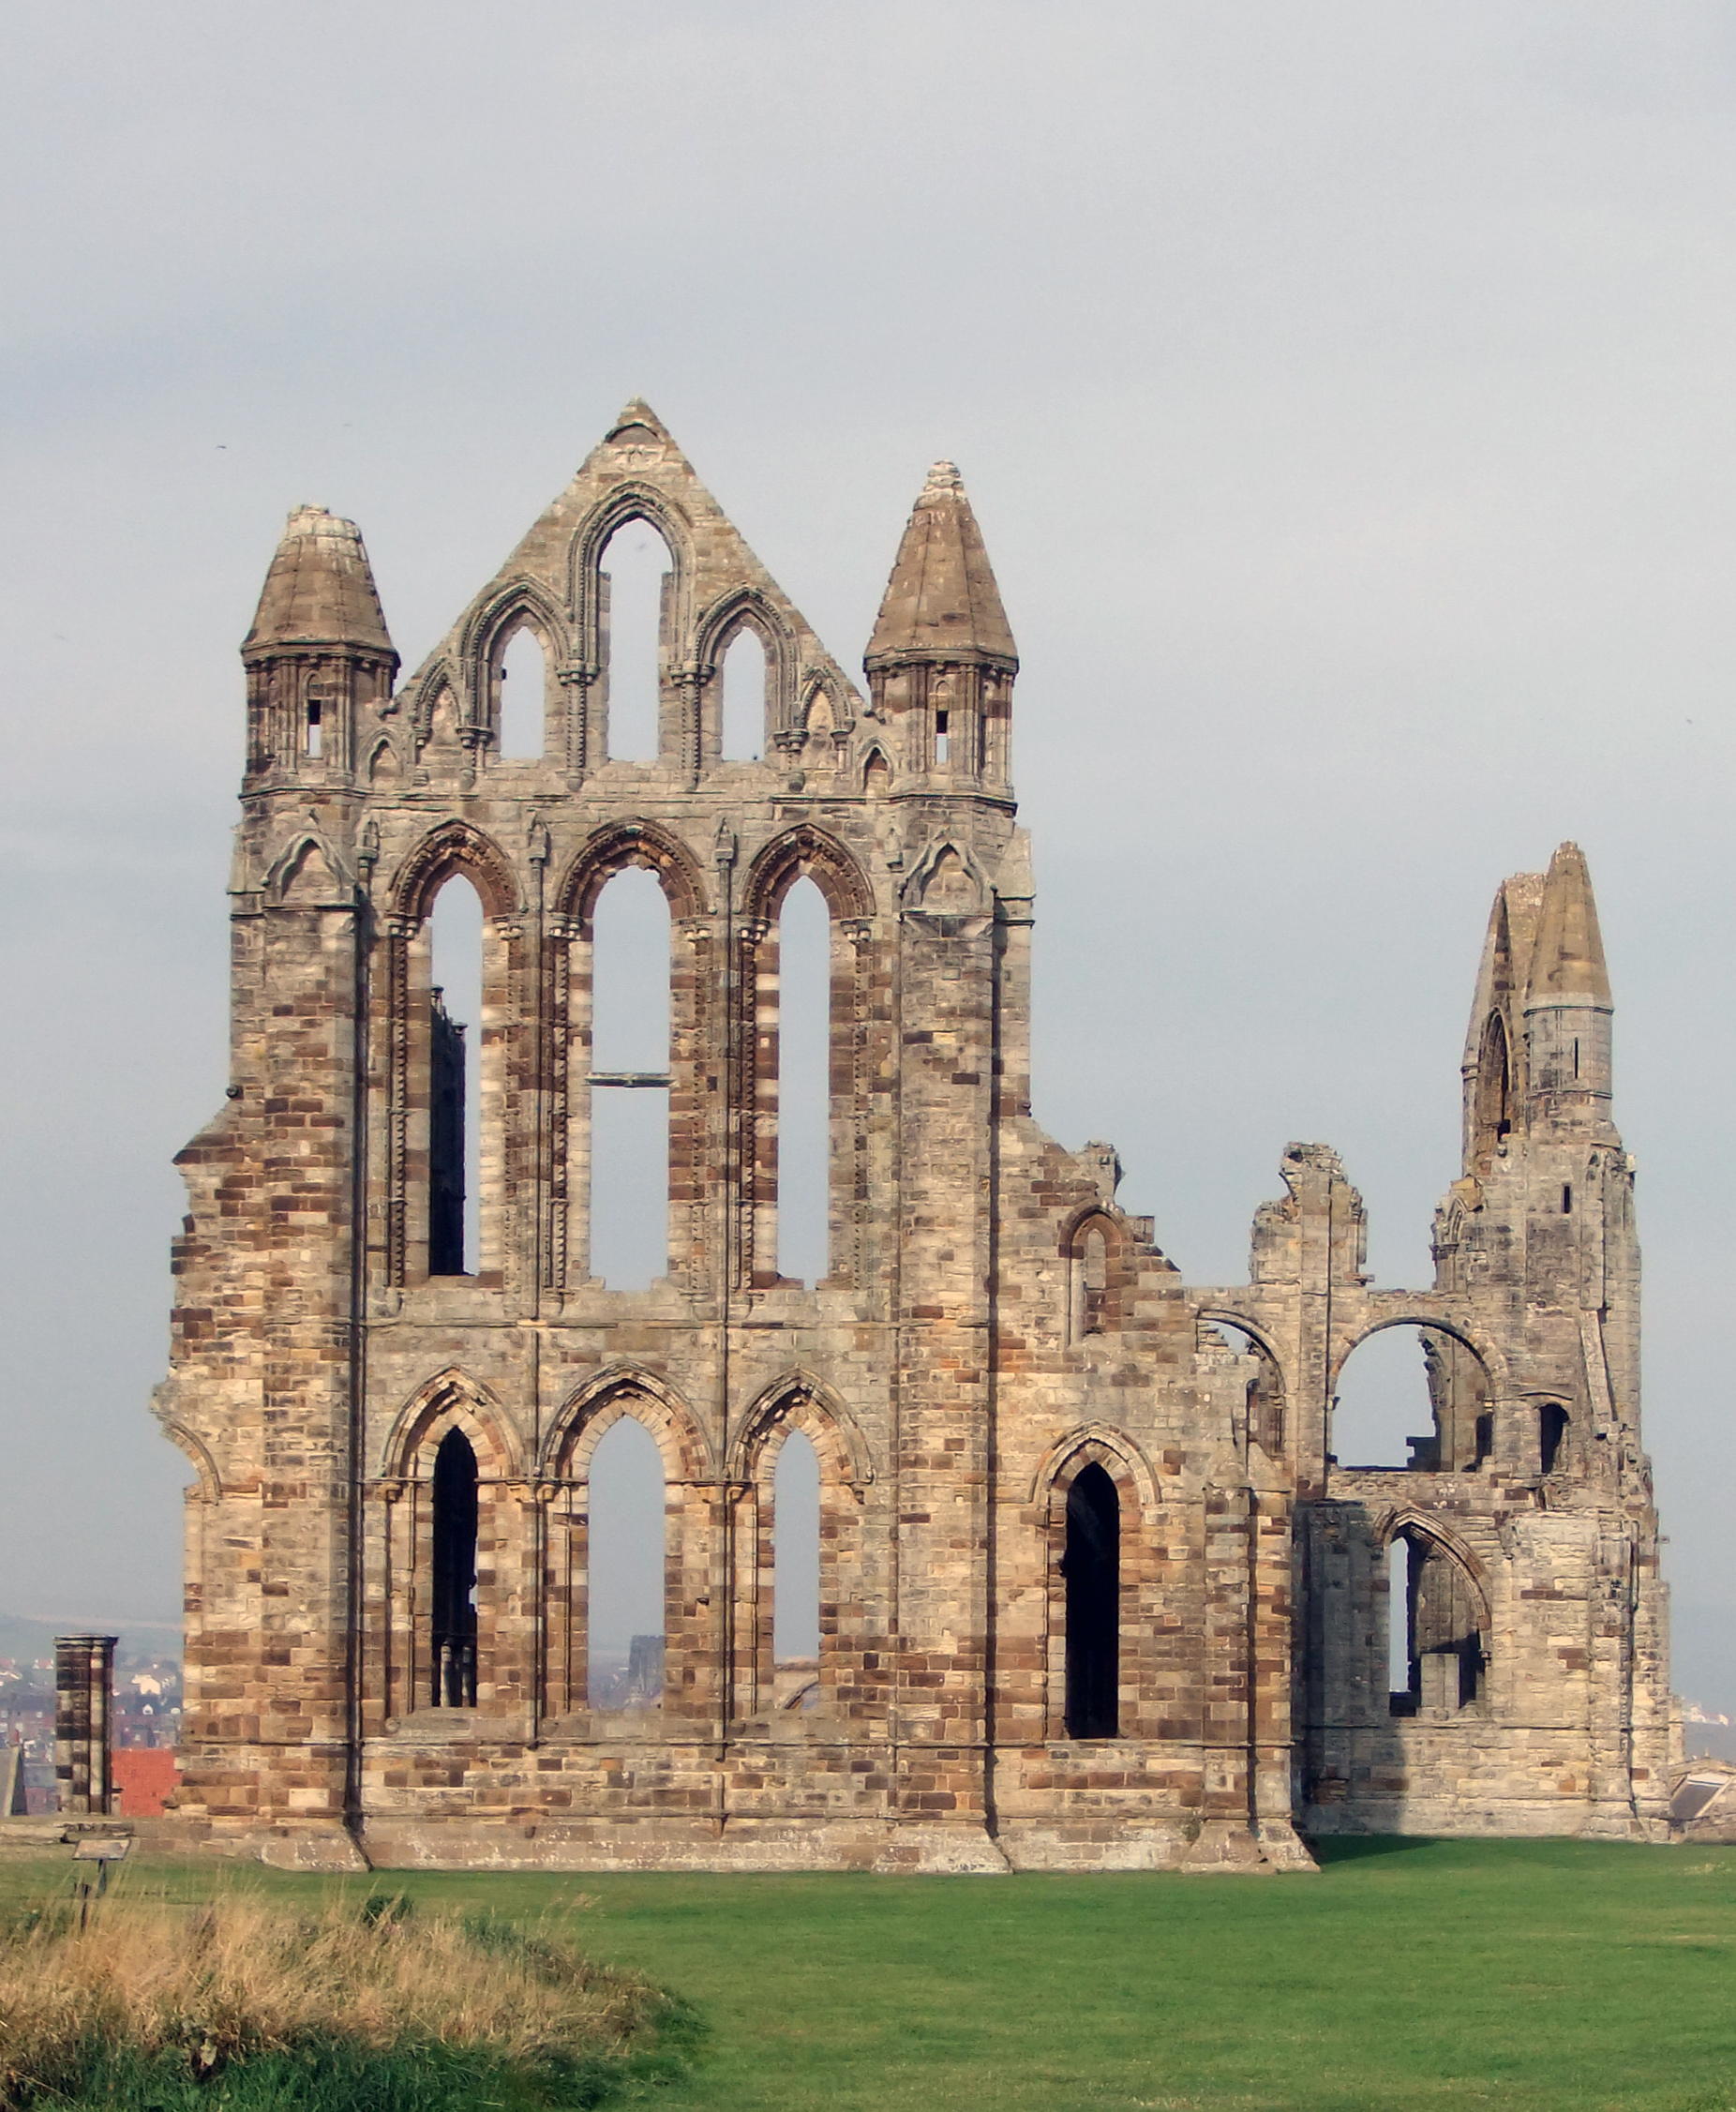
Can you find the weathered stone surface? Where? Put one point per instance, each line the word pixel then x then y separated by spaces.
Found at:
pixel 993 1335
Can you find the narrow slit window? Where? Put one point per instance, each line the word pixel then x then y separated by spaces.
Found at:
pixel 454 1080
pixel 796 1575
pixel 744 698
pixel 314 728
pixel 804 1083
pixel 942 735
pixel 630 1084
pixel 1092 1568
pixel 452 1654
pixel 1493 1102
pixel 1566 1200
pixel 635 573
pixel 523 680
pixel 624 1566
pixel 1094 1270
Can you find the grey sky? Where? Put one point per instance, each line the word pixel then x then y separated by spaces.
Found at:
pixel 1344 394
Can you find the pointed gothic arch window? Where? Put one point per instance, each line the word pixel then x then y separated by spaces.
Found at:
pixel 1493 1107
pixel 455 945
pixel 521 687
pixel 633 578
pixel 1436 1646
pixel 630 1082
pixel 804 1083
pixel 744 715
pixel 796 1574
pixel 451 1642
pixel 1094 1256
pixel 1092 1568
pixel 625 1553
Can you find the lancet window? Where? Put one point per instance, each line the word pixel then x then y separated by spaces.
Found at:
pixel 452 961
pixel 452 1636
pixel 802 1112
pixel 1436 1624
pixel 1092 1566
pixel 798 1538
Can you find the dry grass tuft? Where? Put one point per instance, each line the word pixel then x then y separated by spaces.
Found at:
pixel 202 1988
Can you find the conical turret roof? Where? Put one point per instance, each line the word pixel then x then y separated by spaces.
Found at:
pixel 320 590
pixel 941 601
pixel 1568 960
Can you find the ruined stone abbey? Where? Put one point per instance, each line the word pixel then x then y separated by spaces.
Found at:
pixel 1094 1590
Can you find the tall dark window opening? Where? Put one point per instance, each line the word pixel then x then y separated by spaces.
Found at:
pixel 453 1654
pixel 1552 1434
pixel 446 1140
pixel 455 1058
pixel 1092 1567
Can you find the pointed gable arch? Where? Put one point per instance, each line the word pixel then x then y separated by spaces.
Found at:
pixel 507 605
pixel 437 684
pixel 626 1388
pixel 807 852
pixel 454 846
pixel 382 769
pixel 449 1401
pixel 520 603
pixel 1091 1443
pixel 749 607
pixel 797 1400
pixel 209 1481
pixel 1429 1527
pixel 307 867
pixel 647 845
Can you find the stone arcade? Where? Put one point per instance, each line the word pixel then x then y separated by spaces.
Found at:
pixel 1094 1592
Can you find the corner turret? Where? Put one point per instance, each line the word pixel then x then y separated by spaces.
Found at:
pixel 941 662
pixel 1568 1006
pixel 318 652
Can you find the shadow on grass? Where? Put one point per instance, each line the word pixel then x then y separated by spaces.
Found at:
pixel 1363 1848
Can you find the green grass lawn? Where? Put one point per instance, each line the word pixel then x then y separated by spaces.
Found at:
pixel 1516 1974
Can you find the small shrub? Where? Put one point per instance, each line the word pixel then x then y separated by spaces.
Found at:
pixel 369 2009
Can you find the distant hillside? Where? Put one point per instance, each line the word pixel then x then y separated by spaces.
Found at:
pixel 25 1639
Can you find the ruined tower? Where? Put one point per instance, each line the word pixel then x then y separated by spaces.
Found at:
pixel 1093 1590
